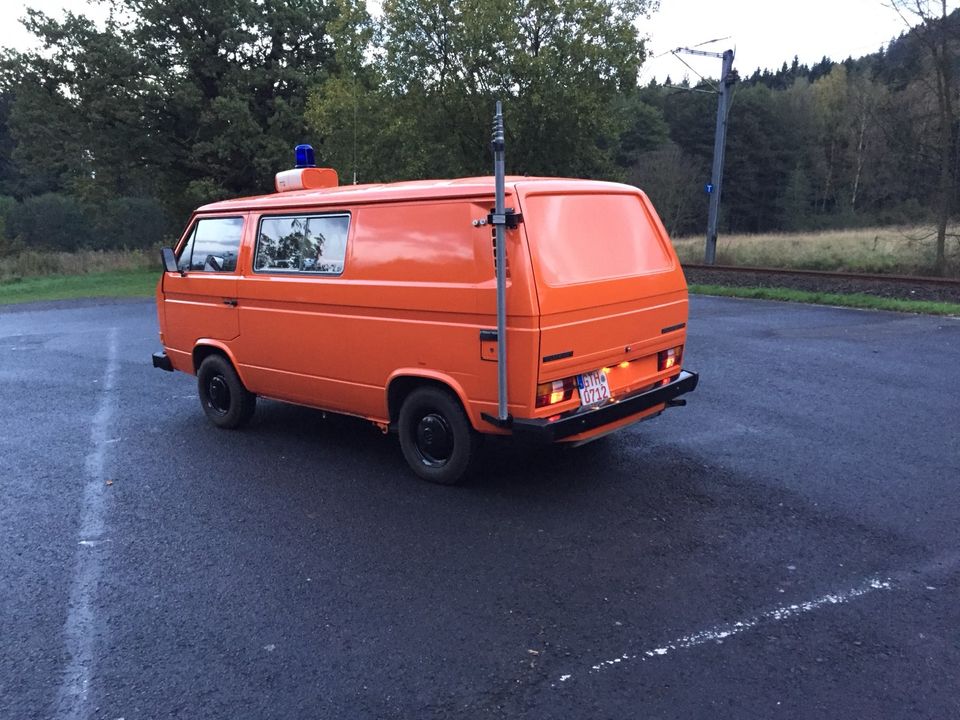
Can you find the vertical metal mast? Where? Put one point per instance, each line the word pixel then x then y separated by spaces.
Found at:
pixel 727 78
pixel 499 225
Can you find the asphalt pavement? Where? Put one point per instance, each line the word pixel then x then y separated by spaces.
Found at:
pixel 787 545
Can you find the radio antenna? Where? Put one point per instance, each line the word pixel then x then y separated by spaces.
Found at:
pixel 354 127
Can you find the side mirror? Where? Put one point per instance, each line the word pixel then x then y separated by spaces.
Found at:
pixel 169 260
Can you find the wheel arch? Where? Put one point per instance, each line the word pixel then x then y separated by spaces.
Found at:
pixel 404 381
pixel 204 348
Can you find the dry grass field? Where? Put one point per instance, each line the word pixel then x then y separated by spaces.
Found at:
pixel 908 251
pixel 33 264
pixel 32 275
pixel 903 250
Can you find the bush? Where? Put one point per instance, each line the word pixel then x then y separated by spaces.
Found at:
pixel 62 222
pixel 51 222
pixel 129 222
pixel 7 206
pixel 8 244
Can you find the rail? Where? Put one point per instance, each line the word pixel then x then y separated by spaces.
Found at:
pixel 878 277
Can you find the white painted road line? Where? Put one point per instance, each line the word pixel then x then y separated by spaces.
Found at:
pixel 719 633
pixel 80 628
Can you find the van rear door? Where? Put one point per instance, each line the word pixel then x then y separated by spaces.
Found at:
pixel 609 283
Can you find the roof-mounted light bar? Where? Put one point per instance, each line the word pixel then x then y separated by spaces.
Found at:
pixel 306 175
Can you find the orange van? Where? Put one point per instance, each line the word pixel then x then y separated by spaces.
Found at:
pixel 380 301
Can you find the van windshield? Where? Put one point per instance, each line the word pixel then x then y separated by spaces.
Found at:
pixel 585 238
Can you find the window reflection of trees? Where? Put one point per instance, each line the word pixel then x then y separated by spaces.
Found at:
pixel 297 244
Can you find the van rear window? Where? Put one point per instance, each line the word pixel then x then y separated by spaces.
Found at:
pixel 584 238
pixel 313 244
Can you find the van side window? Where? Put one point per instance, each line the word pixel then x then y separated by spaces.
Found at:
pixel 314 244
pixel 212 246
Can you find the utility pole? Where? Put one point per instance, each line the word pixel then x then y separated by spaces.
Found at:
pixel 728 77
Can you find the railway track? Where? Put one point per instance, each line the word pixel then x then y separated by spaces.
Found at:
pixel 911 279
pixel 897 286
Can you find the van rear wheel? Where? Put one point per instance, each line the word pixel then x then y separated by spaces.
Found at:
pixel 226 402
pixel 435 436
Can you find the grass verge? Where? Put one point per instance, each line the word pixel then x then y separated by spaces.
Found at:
pixel 143 282
pixel 138 283
pixel 855 300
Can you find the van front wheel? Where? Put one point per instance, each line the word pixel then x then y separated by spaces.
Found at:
pixel 435 436
pixel 226 402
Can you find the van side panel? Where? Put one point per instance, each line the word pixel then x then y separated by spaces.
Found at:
pixel 413 294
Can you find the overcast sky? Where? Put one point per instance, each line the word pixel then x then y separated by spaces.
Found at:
pixel 765 33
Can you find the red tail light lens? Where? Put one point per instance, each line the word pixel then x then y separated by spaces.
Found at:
pixel 551 393
pixel 668 359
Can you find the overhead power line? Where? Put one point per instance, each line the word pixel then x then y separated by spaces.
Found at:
pixel 711 42
pixel 691 67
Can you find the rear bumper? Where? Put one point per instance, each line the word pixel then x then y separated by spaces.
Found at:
pixel 589 418
pixel 160 360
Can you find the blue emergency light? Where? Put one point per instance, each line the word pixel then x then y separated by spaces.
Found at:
pixel 305 157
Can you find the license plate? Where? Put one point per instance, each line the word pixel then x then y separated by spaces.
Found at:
pixel 594 387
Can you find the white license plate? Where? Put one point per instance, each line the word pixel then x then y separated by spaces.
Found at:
pixel 594 387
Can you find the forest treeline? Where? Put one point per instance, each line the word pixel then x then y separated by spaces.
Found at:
pixel 112 132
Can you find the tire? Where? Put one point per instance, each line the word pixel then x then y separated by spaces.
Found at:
pixel 435 436
pixel 226 402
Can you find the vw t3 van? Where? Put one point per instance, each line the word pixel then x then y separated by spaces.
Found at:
pixel 380 301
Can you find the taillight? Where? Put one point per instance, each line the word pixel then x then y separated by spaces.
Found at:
pixel 667 359
pixel 551 393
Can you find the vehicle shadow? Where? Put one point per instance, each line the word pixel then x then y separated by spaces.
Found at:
pixel 501 465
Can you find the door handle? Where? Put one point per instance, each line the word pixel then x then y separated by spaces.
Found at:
pixel 232 302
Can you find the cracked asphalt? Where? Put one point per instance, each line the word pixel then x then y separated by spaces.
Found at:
pixel 787 545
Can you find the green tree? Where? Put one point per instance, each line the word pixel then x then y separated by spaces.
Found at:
pixel 758 162
pixel 796 202
pixel 930 25
pixel 421 98
pixel 831 98
pixel 674 181
pixel 167 95
pixel 8 171
pixel 365 132
pixel 77 116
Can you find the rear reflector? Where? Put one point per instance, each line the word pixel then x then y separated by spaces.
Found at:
pixel 551 393
pixel 667 359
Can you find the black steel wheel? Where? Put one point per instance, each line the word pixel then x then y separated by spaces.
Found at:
pixel 435 435
pixel 226 402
